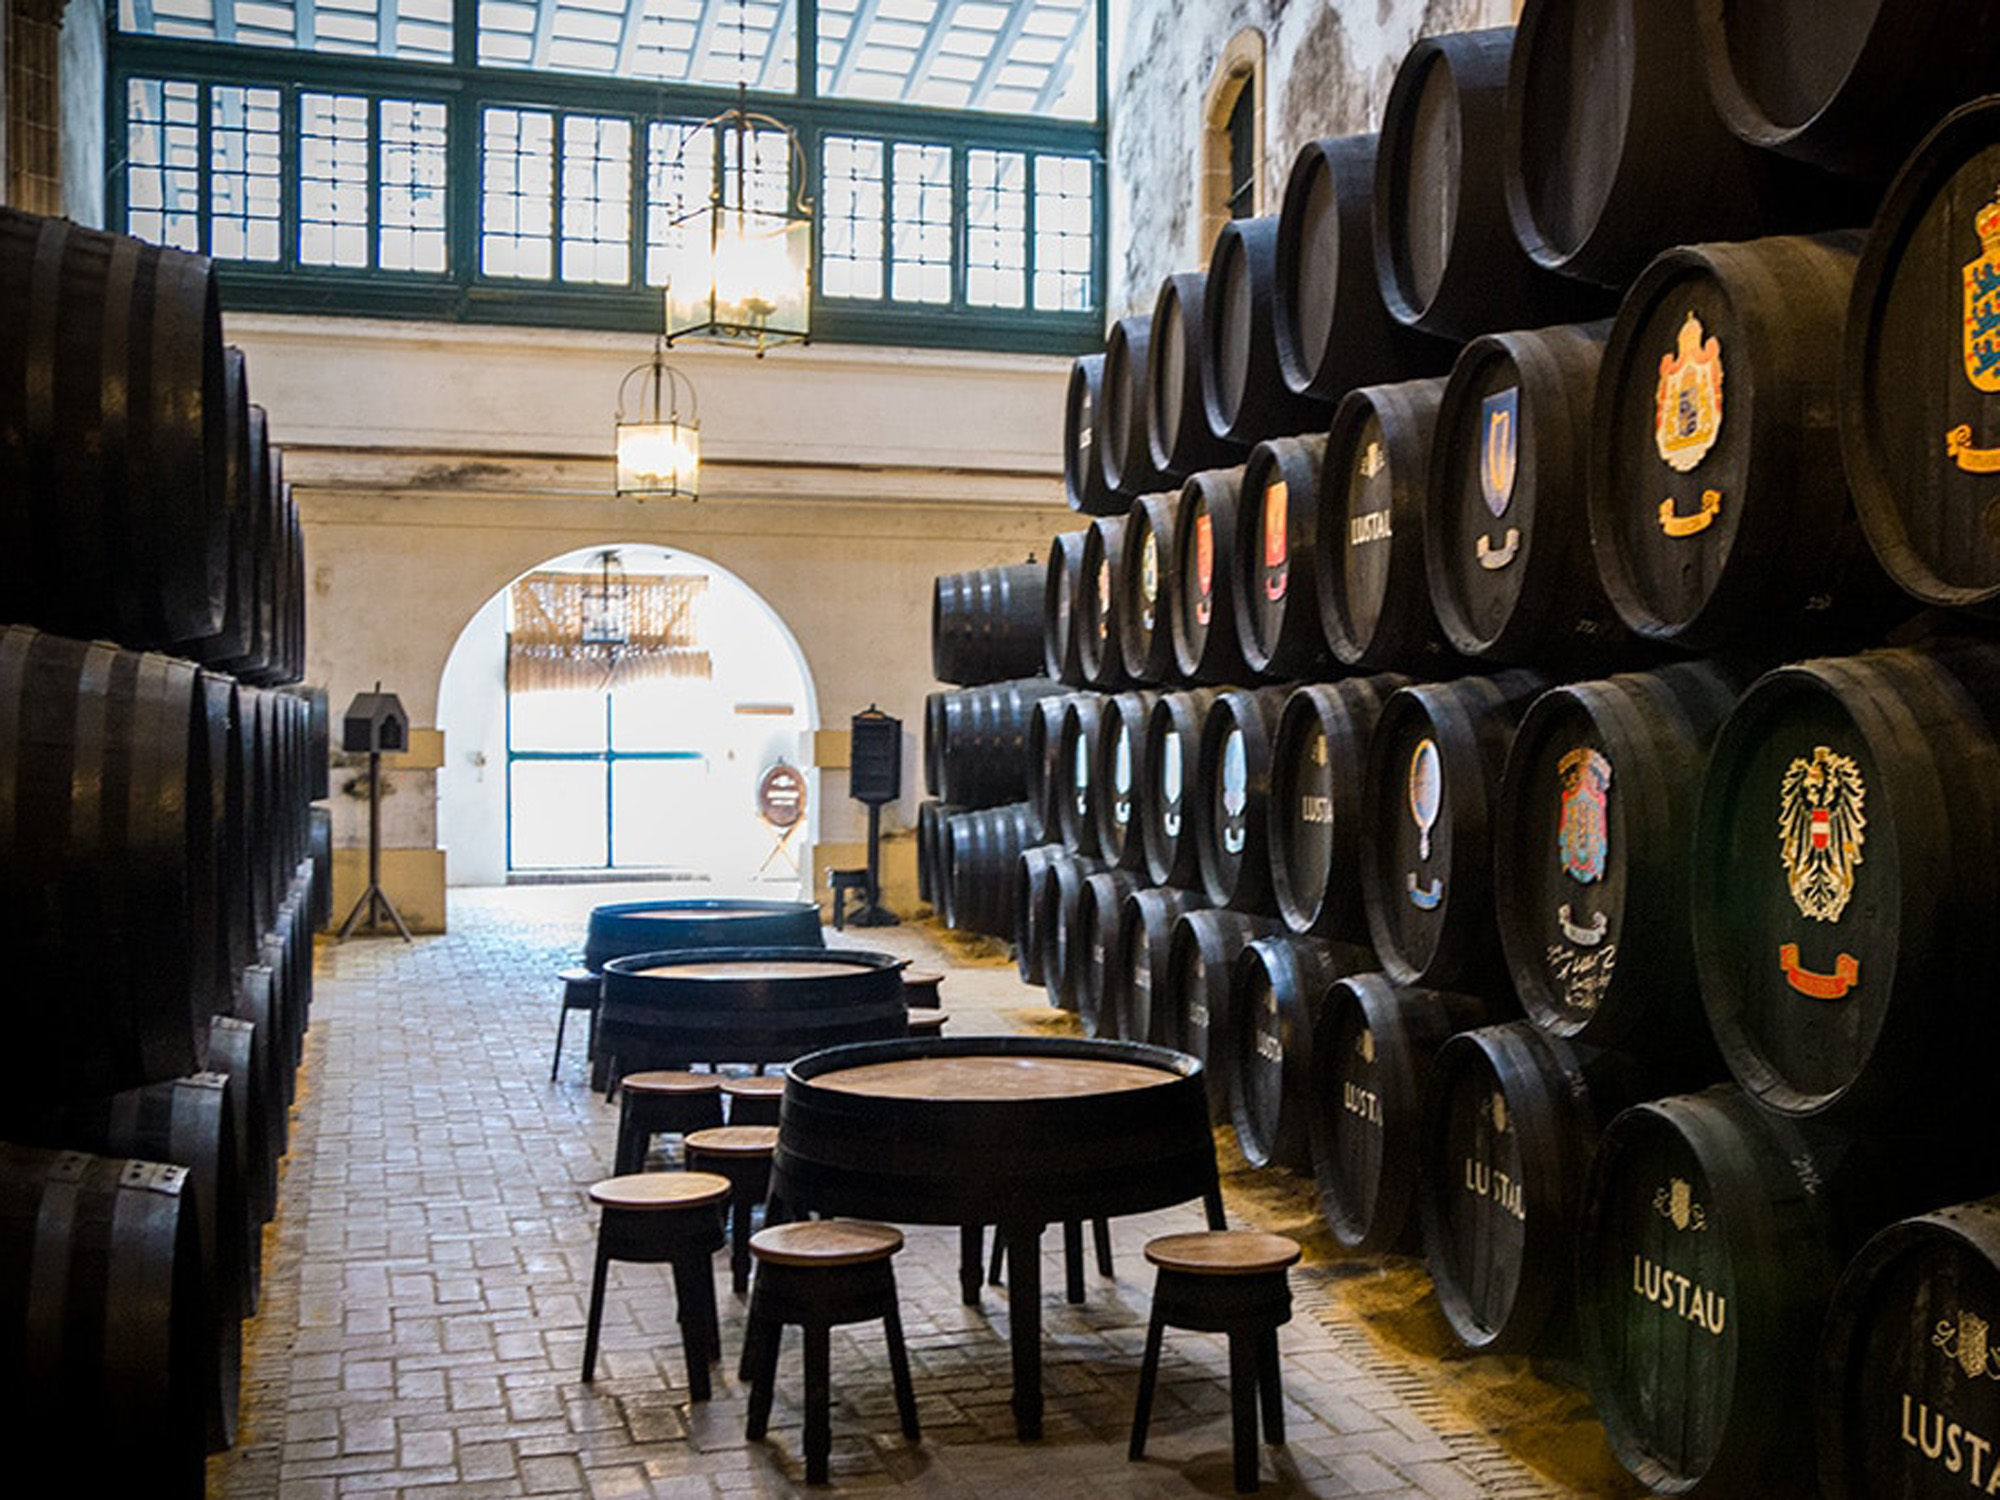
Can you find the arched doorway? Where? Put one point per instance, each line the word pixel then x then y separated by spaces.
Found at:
pixel 613 713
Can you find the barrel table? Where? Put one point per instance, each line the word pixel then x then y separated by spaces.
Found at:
pixel 1018 1131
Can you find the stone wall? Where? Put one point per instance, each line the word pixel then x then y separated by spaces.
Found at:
pixel 1330 64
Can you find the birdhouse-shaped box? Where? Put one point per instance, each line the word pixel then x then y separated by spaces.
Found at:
pixel 375 722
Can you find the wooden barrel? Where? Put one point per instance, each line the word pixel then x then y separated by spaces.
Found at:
pixel 1232 788
pixel 1069 1151
pixel 1201 961
pixel 1083 473
pixel 1719 513
pixel 1045 717
pixel 1314 813
pixel 189 1123
pixel 218 847
pixel 1124 444
pixel 982 750
pixel 933 741
pixel 1031 878
pixel 1244 392
pixel 1205 543
pixel 1712 1235
pixel 1593 882
pixel 1095 948
pixel 1172 744
pixel 257 1005
pixel 1059 923
pixel 1144 597
pixel 986 625
pixel 1374 598
pixel 1332 328
pixel 1446 256
pixel 1848 85
pixel 930 849
pixel 1096 607
pixel 1176 412
pixel 1146 929
pixel 1120 771
pixel 1432 777
pixel 1073 790
pixel 1277 1000
pixel 1594 89
pixel 96 771
pixel 111 1347
pixel 1904 1396
pixel 626 927
pixel 1513 1117
pixel 1919 418
pixel 1506 529
pixel 114 467
pixel 233 1052
pixel 1843 889
pixel 980 850
pixel 1371 1071
pixel 1060 640
pixel 752 1004
pixel 1277 610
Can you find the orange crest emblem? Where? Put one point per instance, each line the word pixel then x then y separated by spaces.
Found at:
pixel 1687 404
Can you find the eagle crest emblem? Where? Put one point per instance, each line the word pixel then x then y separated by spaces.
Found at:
pixel 1583 835
pixel 1821 824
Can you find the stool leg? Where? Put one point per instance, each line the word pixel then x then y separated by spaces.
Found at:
pixel 971 1238
pixel 739 1240
pixel 694 1287
pixel 596 1313
pixel 1101 1231
pixel 1073 1259
pixel 899 1371
pixel 1243 1410
pixel 997 1268
pixel 1268 1389
pixel 562 1020
pixel 760 1367
pixel 1149 1374
pixel 632 1144
pixel 819 1403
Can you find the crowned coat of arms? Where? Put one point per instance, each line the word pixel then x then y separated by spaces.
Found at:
pixel 1687 404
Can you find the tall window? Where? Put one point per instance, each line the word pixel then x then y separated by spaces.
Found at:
pixel 1233 134
pixel 534 170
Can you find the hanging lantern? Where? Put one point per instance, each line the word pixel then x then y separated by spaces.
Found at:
pixel 606 617
pixel 740 266
pixel 659 447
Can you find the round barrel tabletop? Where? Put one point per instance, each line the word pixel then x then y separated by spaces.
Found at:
pixel 975 1078
pixel 752 968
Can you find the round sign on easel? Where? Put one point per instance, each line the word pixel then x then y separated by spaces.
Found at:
pixel 781 795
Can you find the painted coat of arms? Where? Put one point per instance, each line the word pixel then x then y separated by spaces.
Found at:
pixel 1498 448
pixel 1821 825
pixel 1204 566
pixel 1583 833
pixel 1276 540
pixel 1981 337
pixel 1687 403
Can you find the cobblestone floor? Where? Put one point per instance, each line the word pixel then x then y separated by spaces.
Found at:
pixel 427 1278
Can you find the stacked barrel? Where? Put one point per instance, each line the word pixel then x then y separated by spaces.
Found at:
pixel 1503 739
pixel 156 887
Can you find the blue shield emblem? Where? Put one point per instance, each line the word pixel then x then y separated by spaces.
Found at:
pixel 1500 433
pixel 1583 835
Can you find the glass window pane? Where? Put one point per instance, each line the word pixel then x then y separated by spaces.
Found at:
pixel 1065 234
pixel 719 42
pixel 1036 57
pixel 416 29
pixel 921 232
pixel 518 198
pixel 333 179
pixel 558 720
pixel 556 815
pixel 596 200
pixel 243 180
pixel 413 163
pixel 662 814
pixel 996 228
pixel 851 193
pixel 163 161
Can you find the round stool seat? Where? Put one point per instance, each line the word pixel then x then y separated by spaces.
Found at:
pixel 733 1140
pixel 651 1192
pixel 826 1242
pixel 754 1100
pixel 926 1022
pixel 581 979
pixel 920 987
pixel 663 1083
pixel 1223 1252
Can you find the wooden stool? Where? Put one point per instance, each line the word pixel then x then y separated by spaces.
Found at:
pixel 674 1217
pixel 920 988
pixel 754 1100
pixel 663 1103
pixel 840 882
pixel 927 1023
pixel 741 1153
pixel 581 991
pixel 1233 1282
pixel 820 1273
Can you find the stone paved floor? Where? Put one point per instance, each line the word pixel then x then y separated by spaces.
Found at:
pixel 427 1278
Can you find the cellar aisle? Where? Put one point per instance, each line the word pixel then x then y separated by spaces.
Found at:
pixel 427 1277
